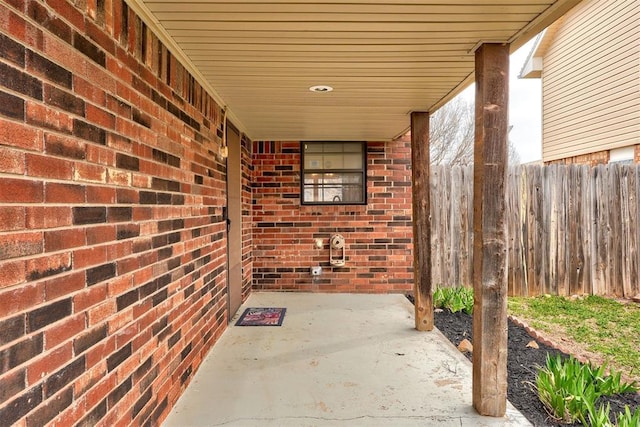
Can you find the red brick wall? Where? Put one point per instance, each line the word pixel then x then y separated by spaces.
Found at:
pixel 247 222
pixel 592 159
pixel 112 241
pixel 378 235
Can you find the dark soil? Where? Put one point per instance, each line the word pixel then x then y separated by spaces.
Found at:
pixel 521 367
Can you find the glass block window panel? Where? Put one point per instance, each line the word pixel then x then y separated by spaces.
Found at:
pixel 334 173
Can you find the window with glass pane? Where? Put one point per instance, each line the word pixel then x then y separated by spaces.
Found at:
pixel 333 173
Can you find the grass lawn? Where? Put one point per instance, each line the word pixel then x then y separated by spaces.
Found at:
pixel 602 328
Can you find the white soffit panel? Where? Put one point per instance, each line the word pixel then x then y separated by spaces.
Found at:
pixel 382 59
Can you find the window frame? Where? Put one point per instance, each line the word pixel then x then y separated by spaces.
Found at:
pixel 622 155
pixel 362 171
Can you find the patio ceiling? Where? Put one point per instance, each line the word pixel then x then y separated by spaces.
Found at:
pixel 383 59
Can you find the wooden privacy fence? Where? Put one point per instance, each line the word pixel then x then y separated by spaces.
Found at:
pixel 571 229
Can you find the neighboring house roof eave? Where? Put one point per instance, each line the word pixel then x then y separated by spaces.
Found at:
pixel 532 68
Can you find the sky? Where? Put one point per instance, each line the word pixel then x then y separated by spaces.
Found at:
pixel 525 108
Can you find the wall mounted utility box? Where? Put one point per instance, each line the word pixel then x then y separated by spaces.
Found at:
pixel 337 251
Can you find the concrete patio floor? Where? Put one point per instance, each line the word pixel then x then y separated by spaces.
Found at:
pixel 337 360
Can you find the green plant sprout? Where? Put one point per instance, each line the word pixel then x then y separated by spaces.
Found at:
pixel 569 390
pixel 454 299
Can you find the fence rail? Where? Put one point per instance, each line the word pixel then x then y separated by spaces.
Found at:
pixel 571 229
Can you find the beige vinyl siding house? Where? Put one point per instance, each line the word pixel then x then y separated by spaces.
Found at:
pixel 589 62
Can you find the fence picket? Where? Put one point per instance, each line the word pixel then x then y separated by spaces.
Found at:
pixel 571 229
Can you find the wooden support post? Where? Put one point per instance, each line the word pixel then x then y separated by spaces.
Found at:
pixel 489 231
pixel 421 221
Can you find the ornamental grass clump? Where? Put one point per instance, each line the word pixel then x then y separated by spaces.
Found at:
pixel 454 299
pixel 600 417
pixel 569 391
pixel 628 418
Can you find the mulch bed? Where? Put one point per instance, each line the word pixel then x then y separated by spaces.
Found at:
pixel 521 367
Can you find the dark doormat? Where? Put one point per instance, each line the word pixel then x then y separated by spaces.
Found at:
pixel 262 316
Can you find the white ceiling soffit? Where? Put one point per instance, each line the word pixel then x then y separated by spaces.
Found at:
pixel 383 59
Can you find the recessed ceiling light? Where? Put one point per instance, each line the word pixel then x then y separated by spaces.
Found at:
pixel 321 88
